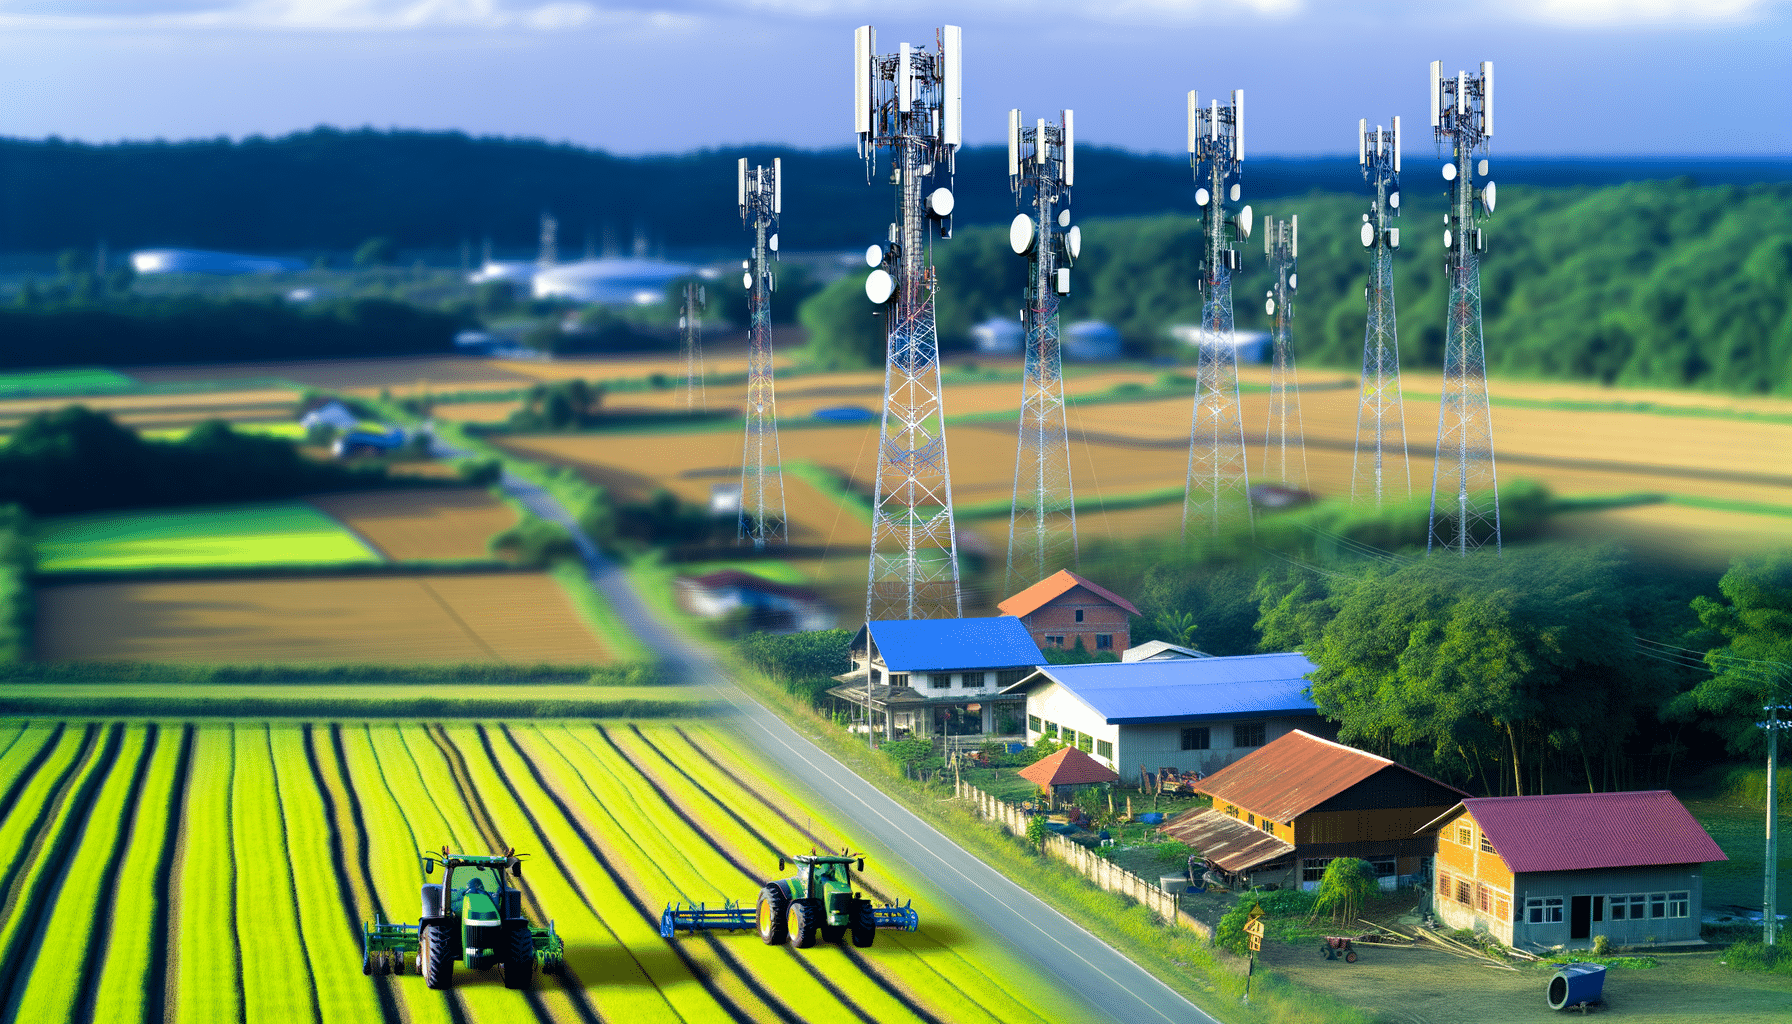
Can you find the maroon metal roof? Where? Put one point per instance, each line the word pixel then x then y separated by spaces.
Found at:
pixel 1054 586
pixel 1068 767
pixel 1226 841
pixel 1293 774
pixel 1581 831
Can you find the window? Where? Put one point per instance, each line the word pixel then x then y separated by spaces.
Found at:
pixel 1051 729
pixel 1079 615
pixel 1312 869
pixel 1054 640
pixel 970 680
pixel 1034 724
pixel 1464 892
pixel 1446 884
pixel 1010 676
pixel 1547 910
pixel 877 676
pixel 1247 734
pixel 939 681
pixel 1483 898
pixel 1679 904
pixel 1232 809
pixel 1195 738
pixel 1268 826
pixel 899 679
pixel 1069 736
pixel 1085 743
pixel 1502 907
pixel 1628 907
pixel 1486 844
pixel 1250 819
pixel 1104 749
pixel 1104 641
pixel 1465 834
pixel 1384 866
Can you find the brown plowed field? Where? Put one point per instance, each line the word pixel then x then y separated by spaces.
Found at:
pixel 521 618
pixel 356 375
pixel 405 525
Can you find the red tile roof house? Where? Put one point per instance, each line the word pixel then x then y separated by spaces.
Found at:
pixel 1559 870
pixel 1065 607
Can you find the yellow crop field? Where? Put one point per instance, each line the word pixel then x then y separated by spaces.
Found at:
pixel 361 376
pixel 403 524
pixel 521 618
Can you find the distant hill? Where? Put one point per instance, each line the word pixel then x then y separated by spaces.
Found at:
pixel 328 190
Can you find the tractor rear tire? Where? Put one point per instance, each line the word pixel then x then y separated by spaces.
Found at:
pixel 833 933
pixel 770 915
pixel 864 925
pixel 437 956
pixel 518 965
pixel 805 918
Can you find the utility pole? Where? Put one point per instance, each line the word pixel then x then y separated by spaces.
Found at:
pixel 1770 883
pixel 690 325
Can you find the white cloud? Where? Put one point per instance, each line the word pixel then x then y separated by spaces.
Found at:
pixel 1641 13
pixel 333 15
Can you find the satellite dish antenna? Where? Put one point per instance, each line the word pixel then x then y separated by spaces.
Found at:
pixel 940 203
pixel 1236 191
pixel 874 254
pixel 772 243
pixel 1269 307
pixel 1020 234
pixel 1449 239
pixel 1201 197
pixel 1368 234
pixel 1063 218
pixel 1292 278
pixel 1394 200
pixel 1481 168
pixel 1244 216
pixel 1073 240
pixel 746 281
pixel 1488 197
pixel 1449 172
pixel 879 286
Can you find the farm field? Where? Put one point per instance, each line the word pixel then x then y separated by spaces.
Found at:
pixel 271 534
pixel 369 699
pixel 74 379
pixel 259 848
pixel 162 411
pixel 357 376
pixel 416 524
pixel 458 618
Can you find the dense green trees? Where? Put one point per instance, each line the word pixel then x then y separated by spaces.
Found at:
pixel 1751 664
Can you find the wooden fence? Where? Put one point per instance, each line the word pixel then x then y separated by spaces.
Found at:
pixel 1102 872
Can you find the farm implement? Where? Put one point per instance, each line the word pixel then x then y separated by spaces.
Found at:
pixel 816 902
pixel 472 915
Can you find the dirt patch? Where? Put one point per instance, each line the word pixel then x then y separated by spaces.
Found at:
pixel 403 525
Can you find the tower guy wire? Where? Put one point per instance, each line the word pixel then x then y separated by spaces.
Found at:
pixel 1218 490
pixel 1380 411
pixel 1281 243
pixel 910 103
pixel 1042 520
pixel 690 327
pixel 763 517
pixel 1465 498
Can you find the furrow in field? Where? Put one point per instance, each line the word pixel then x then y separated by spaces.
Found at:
pixel 107 898
pixel 133 979
pixel 36 886
pixel 978 970
pixel 880 975
pixel 382 783
pixel 37 805
pixel 589 916
pixel 27 755
pixel 280 988
pixel 79 861
pixel 689 866
pixel 209 982
pixel 353 896
pixel 320 885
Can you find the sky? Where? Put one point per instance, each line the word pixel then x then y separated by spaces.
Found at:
pixel 1672 78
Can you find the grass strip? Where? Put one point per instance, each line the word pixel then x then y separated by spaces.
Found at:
pixel 342 672
pixel 209 985
pixel 831 486
pixel 279 985
pixel 526 701
pixel 595 610
pixel 1645 408
pixel 132 955
pixel 1725 505
pixel 34 809
pixel 1086 505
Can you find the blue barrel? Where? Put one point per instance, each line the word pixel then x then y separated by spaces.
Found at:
pixel 1575 984
pixel 1152 817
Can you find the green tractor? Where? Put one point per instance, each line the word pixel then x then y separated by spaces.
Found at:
pixel 818 902
pixel 473 915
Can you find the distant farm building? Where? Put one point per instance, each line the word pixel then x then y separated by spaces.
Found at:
pixel 332 414
pixel 767 606
pixel 1064 608
pixel 1091 341
pixel 1190 714
pixel 611 281
pixel 941 677
pixel 200 261
pixel 1562 869
pixel 1161 650
pixel 367 442
pixel 1251 346
pixel 1000 336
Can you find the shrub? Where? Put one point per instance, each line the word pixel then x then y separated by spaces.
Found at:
pixel 1230 934
pixel 1752 955
pixel 480 472
pixel 534 542
pixel 1036 831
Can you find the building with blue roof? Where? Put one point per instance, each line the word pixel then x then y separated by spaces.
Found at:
pixel 939 677
pixel 1191 714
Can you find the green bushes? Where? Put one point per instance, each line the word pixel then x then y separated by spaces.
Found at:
pixel 534 542
pixel 1752 955
pixel 803 663
pixel 1230 935
pixel 1347 884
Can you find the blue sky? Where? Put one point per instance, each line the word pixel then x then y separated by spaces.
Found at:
pixel 1574 77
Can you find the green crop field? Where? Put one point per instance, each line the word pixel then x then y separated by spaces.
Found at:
pixel 276 533
pixel 221 870
pixel 71 381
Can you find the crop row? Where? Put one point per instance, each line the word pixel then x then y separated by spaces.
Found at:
pixel 220 872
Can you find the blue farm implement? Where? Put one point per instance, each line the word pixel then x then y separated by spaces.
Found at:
pixel 473 915
pixel 817 902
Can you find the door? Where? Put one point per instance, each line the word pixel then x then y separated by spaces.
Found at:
pixel 1580 917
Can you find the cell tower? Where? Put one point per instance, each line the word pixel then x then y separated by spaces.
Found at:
pixel 1281 243
pixel 762 511
pixel 910 102
pixel 1042 527
pixel 690 326
pixel 1380 412
pixel 1462 113
pixel 1218 476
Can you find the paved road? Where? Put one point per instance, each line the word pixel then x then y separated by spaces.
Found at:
pixel 1112 986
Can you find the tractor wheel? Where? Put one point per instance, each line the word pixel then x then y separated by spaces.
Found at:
pixel 1350 957
pixel 438 961
pixel 864 925
pixel 773 905
pixel 832 933
pixel 518 964
pixel 805 917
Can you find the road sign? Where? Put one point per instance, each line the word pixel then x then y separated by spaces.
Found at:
pixel 1256 943
pixel 1254 927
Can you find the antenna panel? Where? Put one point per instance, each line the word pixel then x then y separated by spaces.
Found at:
pixel 1437 70
pixel 1294 236
pixel 1461 93
pixel 1063 280
pixel 1362 142
pixel 1238 125
pixel 1396 143
pixel 953 82
pixel 1041 149
pixel 1213 120
pixel 1487 98
pixel 777 186
pixel 905 80
pixel 741 185
pixel 1013 143
pixel 1069 147
pixel 1378 142
pixel 862 48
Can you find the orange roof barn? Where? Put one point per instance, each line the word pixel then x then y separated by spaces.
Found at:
pixel 1067 767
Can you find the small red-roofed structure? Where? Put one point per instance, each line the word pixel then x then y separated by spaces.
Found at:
pixel 1068 768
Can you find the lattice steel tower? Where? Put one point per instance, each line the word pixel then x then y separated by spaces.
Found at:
pixel 1281 243
pixel 690 326
pixel 762 511
pixel 1042 524
pixel 1218 490
pixel 910 102
pixel 1462 113
pixel 1380 410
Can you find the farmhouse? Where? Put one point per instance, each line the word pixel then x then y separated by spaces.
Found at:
pixel 1191 714
pixel 938 677
pixel 1160 650
pixel 1064 608
pixel 1561 869
pixel 770 607
pixel 1282 813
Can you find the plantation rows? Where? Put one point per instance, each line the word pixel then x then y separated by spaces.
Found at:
pixel 220 872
